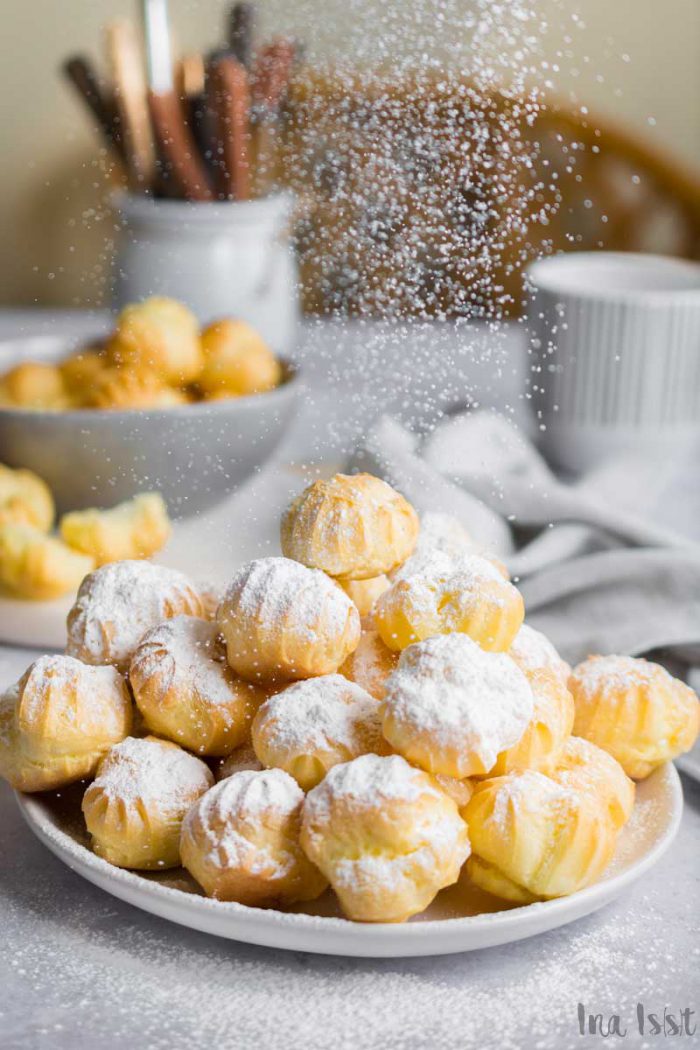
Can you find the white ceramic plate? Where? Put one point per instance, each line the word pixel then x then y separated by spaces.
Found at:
pixel 459 919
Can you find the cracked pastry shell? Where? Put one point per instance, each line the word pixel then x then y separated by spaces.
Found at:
pixel 59 720
pixel 241 841
pixel 186 691
pixel 634 710
pixel 385 835
pixel 534 839
pixel 353 527
pixel 25 499
pixel 37 566
pixel 137 528
pixel 135 806
pixel 282 621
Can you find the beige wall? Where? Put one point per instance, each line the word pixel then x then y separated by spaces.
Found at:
pixel 57 236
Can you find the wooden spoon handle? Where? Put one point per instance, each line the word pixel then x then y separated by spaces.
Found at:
pixel 229 95
pixel 177 146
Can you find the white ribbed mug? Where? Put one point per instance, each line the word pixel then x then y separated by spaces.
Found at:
pixel 615 345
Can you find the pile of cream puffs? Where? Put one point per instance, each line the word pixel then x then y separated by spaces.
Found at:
pixel 156 357
pixel 367 712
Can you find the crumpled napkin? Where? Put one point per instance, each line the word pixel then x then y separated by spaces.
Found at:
pixel 607 564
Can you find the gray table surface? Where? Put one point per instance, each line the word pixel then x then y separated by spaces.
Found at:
pixel 79 969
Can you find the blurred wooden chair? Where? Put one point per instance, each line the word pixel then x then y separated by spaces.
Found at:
pixel 427 197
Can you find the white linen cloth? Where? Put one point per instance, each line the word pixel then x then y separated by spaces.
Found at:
pixel 608 564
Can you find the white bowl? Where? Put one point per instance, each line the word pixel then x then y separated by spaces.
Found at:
pixel 195 455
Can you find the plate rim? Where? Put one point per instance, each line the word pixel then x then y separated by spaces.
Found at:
pixel 333 935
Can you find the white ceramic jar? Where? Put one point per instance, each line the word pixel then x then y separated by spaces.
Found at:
pixel 220 259
pixel 615 344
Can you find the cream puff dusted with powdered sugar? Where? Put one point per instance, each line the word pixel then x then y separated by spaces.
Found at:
pixel 282 621
pixel 312 726
pixel 241 841
pixel 386 837
pixel 135 806
pixel 59 720
pixel 186 691
pixel 452 708
pixel 118 603
pixel 353 527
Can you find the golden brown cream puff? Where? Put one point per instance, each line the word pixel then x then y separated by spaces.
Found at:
pixel 386 837
pixel 135 806
pixel 313 725
pixel 634 710
pixel 186 691
pixel 282 621
pixel 353 527
pixel 59 720
pixel 241 841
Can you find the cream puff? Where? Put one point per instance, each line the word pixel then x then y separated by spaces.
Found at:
pixel 451 707
pixel 548 730
pixel 59 720
pixel 588 769
pixel 353 527
pixel 158 335
pixel 386 837
pixel 469 597
pixel 533 651
pixel 312 726
pixel 118 603
pixel 282 621
pixel 364 593
pixel 242 758
pixel 241 841
pixel 236 361
pixel 534 838
pixel 135 806
pixel 370 664
pixel 186 691
pixel 34 385
pixel 634 710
